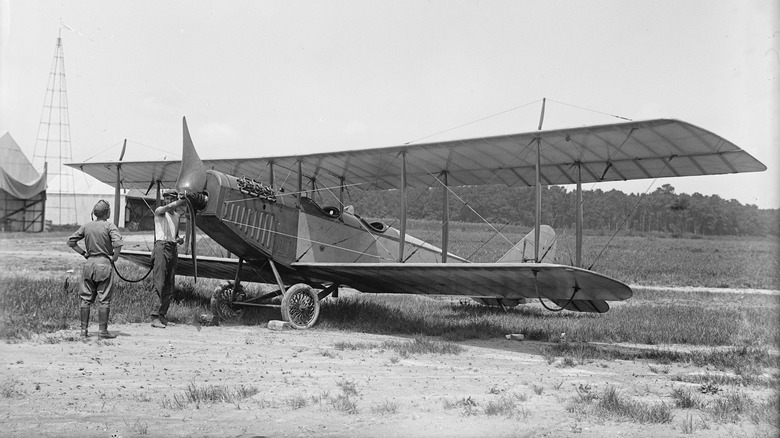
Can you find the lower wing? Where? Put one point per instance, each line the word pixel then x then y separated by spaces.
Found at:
pixel 258 271
pixel 574 288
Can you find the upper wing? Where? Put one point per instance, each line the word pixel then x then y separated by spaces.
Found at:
pixel 613 152
pixel 493 280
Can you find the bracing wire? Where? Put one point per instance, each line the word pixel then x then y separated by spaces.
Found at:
pixel 473 121
pixel 488 240
pixel 112 146
pixel 592 110
pixel 106 149
pixel 464 202
pixel 625 219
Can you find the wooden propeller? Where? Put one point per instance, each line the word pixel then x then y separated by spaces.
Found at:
pixel 190 184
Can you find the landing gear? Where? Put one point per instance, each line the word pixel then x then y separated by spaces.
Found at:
pixel 300 306
pixel 300 303
pixel 222 302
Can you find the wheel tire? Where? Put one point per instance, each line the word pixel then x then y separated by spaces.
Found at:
pixel 222 302
pixel 300 306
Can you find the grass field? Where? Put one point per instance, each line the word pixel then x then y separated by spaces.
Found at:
pixel 650 317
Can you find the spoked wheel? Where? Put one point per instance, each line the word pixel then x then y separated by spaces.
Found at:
pixel 300 306
pixel 223 299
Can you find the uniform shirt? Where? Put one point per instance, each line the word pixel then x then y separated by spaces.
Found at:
pixel 100 238
pixel 166 226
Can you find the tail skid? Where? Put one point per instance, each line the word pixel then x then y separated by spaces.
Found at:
pixel 524 250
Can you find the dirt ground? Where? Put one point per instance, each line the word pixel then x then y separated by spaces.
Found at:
pixel 60 385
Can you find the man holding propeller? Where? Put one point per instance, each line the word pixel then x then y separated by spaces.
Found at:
pixel 165 254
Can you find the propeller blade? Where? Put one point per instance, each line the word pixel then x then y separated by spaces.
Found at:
pixel 191 183
pixel 191 234
pixel 192 175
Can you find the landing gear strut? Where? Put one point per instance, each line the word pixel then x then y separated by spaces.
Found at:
pixel 222 301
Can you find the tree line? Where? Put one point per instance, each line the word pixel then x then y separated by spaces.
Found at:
pixel 662 210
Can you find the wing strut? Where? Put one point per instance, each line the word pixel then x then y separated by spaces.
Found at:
pixel 277 277
pixel 118 183
pixel 238 273
pixel 402 231
pixel 341 197
pixel 445 217
pixel 578 226
pixel 538 186
pixel 300 184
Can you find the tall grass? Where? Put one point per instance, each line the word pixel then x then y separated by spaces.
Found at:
pixel 30 305
pixel 207 394
pixel 613 404
pixel 417 345
pixel 610 403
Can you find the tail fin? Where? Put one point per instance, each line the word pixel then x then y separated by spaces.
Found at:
pixel 524 250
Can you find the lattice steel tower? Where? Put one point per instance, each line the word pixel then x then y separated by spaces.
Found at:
pixel 52 144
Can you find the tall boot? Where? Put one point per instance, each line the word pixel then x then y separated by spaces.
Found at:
pixel 84 321
pixel 103 313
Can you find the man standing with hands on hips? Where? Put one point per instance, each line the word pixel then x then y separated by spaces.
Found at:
pixel 103 243
pixel 165 254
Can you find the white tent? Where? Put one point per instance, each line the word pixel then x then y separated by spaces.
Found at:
pixel 69 194
pixel 22 190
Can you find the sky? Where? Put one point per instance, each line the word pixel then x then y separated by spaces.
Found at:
pixel 265 78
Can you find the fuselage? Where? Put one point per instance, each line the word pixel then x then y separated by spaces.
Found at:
pixel 255 223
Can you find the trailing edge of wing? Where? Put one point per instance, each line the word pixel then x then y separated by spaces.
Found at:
pixel 613 152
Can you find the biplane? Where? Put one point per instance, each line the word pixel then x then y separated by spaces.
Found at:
pixel 279 235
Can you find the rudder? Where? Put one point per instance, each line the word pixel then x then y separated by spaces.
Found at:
pixel 523 251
